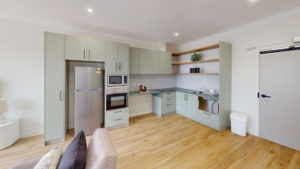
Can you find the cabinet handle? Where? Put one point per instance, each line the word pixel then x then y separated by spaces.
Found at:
pixel 116 66
pixel 118 111
pixel 207 113
pixel 169 104
pixel 184 97
pixel 119 66
pixel 187 97
pixel 118 119
pixel 169 99
pixel 89 54
pixel 84 53
pixel 169 93
pixel 60 95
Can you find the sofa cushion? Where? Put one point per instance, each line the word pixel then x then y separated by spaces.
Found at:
pixel 28 163
pixel 101 152
pixel 75 155
pixel 51 159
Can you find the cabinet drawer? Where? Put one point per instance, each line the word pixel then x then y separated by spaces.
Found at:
pixel 117 113
pixel 168 108
pixel 168 95
pixel 116 121
pixel 168 100
pixel 208 118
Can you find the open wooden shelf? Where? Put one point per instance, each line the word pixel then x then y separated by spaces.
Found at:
pixel 195 73
pixel 201 61
pixel 215 46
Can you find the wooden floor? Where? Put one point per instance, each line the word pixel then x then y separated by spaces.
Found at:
pixel 174 142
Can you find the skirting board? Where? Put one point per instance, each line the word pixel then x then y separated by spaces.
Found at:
pixel 36 133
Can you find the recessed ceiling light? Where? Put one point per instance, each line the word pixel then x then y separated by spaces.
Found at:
pixel 90 10
pixel 176 34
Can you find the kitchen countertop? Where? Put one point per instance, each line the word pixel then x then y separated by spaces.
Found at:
pixel 188 91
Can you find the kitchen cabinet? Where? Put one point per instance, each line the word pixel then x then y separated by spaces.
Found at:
pixel 208 119
pixel 133 60
pixel 164 103
pixel 54 126
pixel 144 59
pixel 181 103
pixel 123 58
pixel 117 58
pixel 87 49
pixel 116 118
pixel 187 105
pixel 192 107
pixel 165 66
pixel 154 62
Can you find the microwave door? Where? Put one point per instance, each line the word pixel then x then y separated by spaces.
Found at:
pixel 115 80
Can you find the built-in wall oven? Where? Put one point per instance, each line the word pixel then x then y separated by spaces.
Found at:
pixel 114 80
pixel 116 98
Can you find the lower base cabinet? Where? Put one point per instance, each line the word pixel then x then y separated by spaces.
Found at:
pixel 164 103
pixel 116 118
pixel 208 119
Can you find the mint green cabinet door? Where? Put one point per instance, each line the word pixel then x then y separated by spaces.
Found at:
pixel 180 103
pixel 144 58
pixel 165 66
pixel 95 50
pixel 54 86
pixel 111 60
pixel 192 107
pixel 123 58
pixel 133 60
pixel 76 48
pixel 154 62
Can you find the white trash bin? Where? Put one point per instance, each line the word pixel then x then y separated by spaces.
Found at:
pixel 238 123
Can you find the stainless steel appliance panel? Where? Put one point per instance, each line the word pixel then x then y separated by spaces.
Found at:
pixel 87 78
pixel 88 111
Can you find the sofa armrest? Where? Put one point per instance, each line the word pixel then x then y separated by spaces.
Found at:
pixel 28 163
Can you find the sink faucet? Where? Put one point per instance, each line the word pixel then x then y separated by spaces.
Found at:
pixel 203 89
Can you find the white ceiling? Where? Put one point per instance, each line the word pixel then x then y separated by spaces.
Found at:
pixel 148 20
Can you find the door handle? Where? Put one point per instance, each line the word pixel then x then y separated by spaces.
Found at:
pixel 119 66
pixel 265 96
pixel 60 95
pixel 84 53
pixel 89 54
pixel 116 66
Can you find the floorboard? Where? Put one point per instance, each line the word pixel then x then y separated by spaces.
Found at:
pixel 173 142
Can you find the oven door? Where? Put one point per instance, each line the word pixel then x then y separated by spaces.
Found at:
pixel 116 101
pixel 115 80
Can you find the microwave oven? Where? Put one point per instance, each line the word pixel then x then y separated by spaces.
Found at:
pixel 114 80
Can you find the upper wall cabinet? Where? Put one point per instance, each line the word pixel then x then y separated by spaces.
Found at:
pixel 134 60
pixel 145 61
pixel 154 62
pixel 165 66
pixel 117 58
pixel 144 58
pixel 80 48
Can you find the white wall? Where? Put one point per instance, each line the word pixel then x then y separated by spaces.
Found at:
pixel 22 70
pixel 245 63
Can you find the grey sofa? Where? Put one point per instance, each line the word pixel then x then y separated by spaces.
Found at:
pixel 101 153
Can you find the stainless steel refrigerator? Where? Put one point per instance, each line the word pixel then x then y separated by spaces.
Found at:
pixel 88 99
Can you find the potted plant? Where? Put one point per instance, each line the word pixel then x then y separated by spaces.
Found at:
pixel 194 58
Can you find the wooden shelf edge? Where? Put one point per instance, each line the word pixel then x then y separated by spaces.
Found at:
pixel 201 61
pixel 215 46
pixel 195 73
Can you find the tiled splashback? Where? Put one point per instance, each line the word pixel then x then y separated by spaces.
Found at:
pixel 193 82
pixel 151 81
